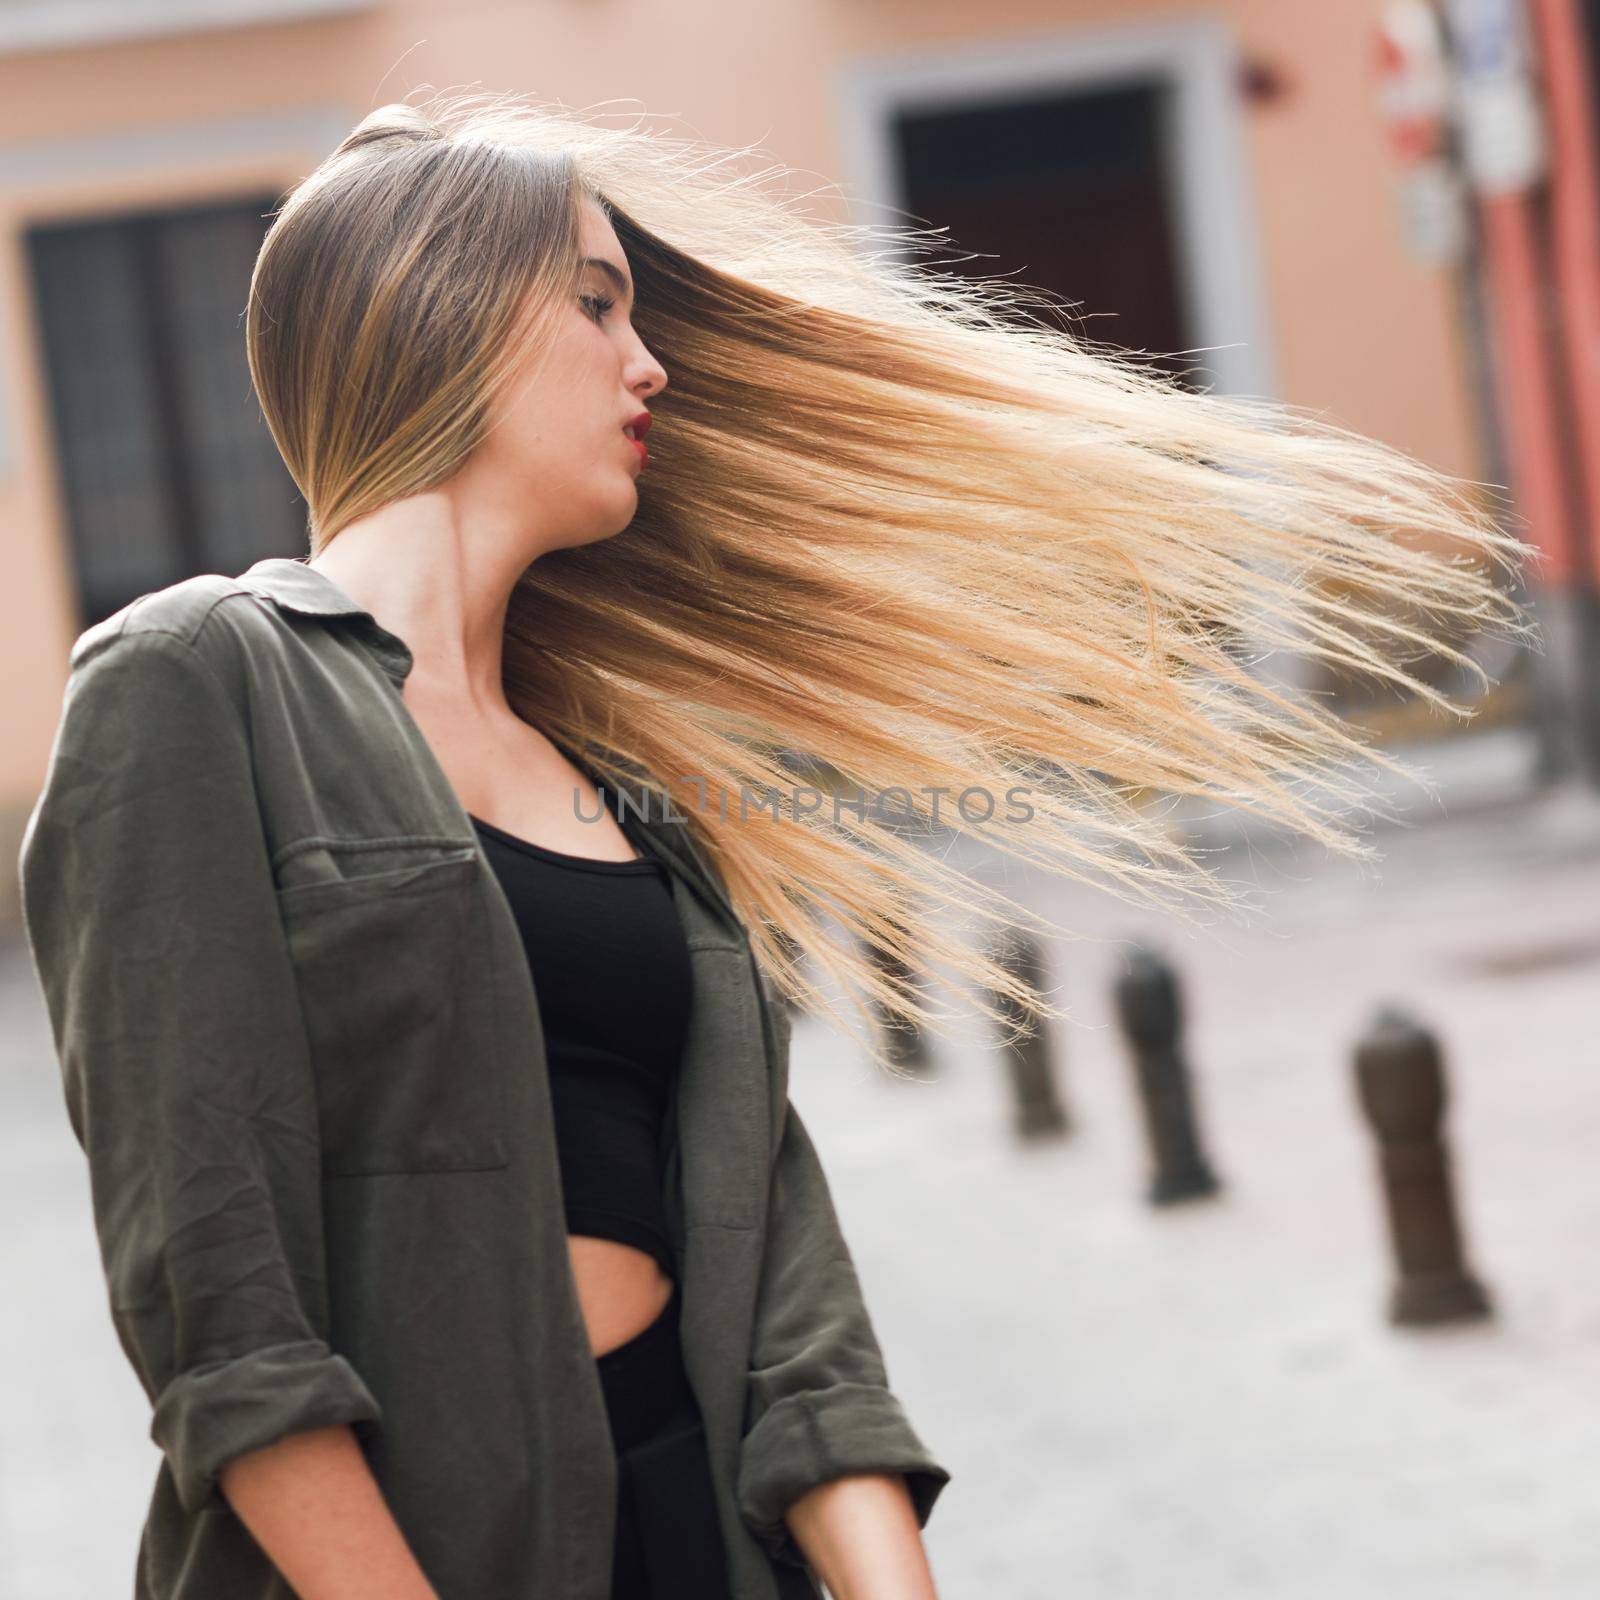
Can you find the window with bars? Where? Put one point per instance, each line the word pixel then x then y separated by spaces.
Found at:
pixel 166 465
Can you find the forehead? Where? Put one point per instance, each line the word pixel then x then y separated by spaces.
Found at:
pixel 596 234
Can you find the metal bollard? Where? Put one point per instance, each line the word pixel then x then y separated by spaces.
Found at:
pixel 907 1045
pixel 1150 1008
pixel 1039 1111
pixel 1400 1078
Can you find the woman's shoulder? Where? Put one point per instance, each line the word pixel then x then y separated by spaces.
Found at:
pixel 221 629
pixel 180 610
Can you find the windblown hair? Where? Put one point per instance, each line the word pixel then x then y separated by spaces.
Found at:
pixel 900 523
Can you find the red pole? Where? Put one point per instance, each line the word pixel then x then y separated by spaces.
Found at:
pixel 1527 381
pixel 1575 226
pixel 1504 121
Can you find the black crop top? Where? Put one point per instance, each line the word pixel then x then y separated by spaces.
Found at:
pixel 611 969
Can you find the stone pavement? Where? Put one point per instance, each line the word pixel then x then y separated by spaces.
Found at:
pixel 1204 1401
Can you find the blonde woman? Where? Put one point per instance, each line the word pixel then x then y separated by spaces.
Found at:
pixel 415 919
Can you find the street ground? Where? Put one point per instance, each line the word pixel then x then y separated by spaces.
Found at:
pixel 1207 1400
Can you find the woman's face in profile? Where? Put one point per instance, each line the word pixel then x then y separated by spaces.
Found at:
pixel 558 441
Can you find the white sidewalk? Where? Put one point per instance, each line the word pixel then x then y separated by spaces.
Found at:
pixel 1207 1401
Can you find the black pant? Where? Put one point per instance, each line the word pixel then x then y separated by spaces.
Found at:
pixel 668 1542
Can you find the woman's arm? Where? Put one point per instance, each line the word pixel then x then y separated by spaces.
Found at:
pixel 860 1536
pixel 150 906
pixel 820 1414
pixel 312 1504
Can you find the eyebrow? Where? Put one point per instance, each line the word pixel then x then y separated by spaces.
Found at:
pixel 611 271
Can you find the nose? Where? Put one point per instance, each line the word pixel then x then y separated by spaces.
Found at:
pixel 652 383
pixel 650 377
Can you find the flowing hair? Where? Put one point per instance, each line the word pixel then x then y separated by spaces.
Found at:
pixel 900 530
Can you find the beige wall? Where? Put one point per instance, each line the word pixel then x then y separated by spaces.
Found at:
pixel 1360 330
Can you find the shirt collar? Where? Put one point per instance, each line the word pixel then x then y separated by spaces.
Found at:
pixel 292 583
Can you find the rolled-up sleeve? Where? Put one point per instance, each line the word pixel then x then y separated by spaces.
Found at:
pixel 819 1403
pixel 150 909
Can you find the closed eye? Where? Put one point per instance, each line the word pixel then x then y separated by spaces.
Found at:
pixel 599 303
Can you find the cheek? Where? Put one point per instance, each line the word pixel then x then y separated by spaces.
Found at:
pixel 548 406
pixel 538 430
pixel 563 424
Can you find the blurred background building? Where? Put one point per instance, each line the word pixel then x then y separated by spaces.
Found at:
pixel 1379 209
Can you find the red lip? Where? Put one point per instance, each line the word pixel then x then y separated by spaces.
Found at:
pixel 641 426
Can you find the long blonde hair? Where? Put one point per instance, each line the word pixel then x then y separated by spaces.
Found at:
pixel 895 520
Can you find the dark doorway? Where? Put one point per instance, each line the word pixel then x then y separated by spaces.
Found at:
pixel 1067 192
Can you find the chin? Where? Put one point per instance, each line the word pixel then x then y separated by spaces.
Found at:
pixel 606 524
pixel 625 511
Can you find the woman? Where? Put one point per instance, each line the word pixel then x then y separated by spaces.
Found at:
pixel 414 919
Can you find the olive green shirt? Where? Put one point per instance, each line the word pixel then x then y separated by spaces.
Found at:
pixel 300 1047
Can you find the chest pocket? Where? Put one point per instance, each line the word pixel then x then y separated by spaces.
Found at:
pixel 388 942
